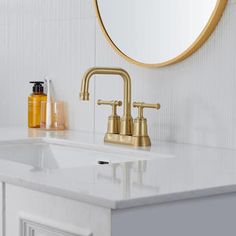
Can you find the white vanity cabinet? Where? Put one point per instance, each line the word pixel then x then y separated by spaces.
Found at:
pixel 32 213
pixel 190 193
pixel 207 216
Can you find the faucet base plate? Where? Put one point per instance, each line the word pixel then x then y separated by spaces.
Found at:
pixel 136 141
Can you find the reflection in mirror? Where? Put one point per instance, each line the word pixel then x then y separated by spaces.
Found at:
pixel 158 32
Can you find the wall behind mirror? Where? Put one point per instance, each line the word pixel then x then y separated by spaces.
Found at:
pixel 160 32
pixel 61 39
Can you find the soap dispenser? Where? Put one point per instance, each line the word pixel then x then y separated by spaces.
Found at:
pixel 34 104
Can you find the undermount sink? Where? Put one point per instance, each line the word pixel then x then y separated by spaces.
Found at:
pixel 42 154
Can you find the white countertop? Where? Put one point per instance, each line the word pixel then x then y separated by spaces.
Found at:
pixel 169 172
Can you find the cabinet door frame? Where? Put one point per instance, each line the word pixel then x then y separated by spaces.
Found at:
pixel 41 211
pixel 31 226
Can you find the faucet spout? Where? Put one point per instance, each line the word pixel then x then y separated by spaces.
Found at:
pixel 126 121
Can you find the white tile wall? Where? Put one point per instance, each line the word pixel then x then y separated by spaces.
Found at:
pixel 197 95
pixel 61 39
pixel 41 38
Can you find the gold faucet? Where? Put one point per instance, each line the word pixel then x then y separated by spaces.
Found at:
pixel 121 130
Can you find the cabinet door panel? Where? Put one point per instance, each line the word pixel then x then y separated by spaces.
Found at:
pixel 34 228
pixel 42 214
pixel 37 228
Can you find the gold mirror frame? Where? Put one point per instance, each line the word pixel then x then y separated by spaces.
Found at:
pixel 202 38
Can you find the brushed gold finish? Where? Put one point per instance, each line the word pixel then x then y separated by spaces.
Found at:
pixel 126 125
pixel 120 131
pixel 140 133
pixel 113 104
pixel 113 126
pixel 119 139
pixel 201 39
pixel 142 105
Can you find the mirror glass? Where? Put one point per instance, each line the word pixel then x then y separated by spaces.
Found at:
pixel 158 32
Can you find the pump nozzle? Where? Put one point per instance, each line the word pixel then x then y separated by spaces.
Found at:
pixel 38 86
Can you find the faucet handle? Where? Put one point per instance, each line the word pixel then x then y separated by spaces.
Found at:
pixel 113 120
pixel 113 104
pixel 142 105
pixel 140 134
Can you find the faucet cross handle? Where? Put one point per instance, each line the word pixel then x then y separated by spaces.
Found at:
pixel 142 105
pixel 113 120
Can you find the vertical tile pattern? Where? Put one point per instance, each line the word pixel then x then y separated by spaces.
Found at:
pixel 61 39
pixel 197 95
pixel 39 39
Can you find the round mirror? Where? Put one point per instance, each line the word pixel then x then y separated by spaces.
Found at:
pixel 156 33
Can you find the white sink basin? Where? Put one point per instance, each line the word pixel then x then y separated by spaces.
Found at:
pixel 42 154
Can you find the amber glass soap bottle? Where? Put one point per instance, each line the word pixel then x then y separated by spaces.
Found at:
pixel 34 104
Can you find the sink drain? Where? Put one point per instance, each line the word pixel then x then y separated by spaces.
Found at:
pixel 101 162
